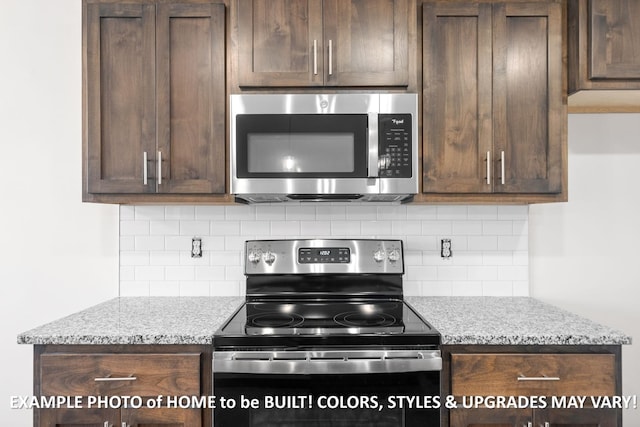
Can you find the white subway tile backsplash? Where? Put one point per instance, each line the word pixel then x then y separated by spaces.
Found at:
pixel 164 258
pixel 149 243
pixel 180 212
pixel 165 228
pixel 149 212
pixel 164 289
pixel 489 243
pixel 149 273
pixel 194 288
pixel 134 228
pixel 195 228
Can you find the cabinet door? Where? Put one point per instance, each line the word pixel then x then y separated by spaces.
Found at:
pixel 615 39
pixel 158 417
pixel 366 42
pixel 457 128
pixel 191 98
pixel 78 417
pixel 489 417
pixel 584 417
pixel 528 113
pixel 119 97
pixel 279 42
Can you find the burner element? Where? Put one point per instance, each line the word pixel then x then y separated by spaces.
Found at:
pixel 275 320
pixel 362 319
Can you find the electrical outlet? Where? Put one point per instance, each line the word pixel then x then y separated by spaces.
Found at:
pixel 196 247
pixel 445 248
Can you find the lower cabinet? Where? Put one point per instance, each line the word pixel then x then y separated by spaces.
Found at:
pixel 115 385
pixel 141 417
pixel 585 417
pixel 531 386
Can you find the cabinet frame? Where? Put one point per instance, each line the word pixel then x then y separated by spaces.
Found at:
pixel 448 349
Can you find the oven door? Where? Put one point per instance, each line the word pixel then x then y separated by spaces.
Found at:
pixel 327 388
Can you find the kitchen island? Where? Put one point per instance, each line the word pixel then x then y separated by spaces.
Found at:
pixel 162 346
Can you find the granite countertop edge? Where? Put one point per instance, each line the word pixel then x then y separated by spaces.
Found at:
pixel 194 320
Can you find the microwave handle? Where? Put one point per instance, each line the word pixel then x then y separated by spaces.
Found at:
pixel 372 163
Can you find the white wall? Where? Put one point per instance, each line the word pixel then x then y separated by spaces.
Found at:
pixel 585 254
pixel 57 255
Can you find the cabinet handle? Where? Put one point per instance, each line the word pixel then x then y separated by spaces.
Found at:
pixel 144 168
pixel 107 379
pixel 315 57
pixel 159 167
pixel 488 160
pixel 542 378
pixel 502 167
pixel 330 57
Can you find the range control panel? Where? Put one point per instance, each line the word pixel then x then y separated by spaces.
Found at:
pixel 333 256
pixel 394 145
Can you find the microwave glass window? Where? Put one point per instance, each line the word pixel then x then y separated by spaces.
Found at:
pixel 301 152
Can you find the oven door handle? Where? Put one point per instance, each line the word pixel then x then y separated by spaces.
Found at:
pixel 327 364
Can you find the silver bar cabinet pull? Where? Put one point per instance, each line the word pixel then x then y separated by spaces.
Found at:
pixel 159 167
pixel 542 378
pixel 144 168
pixel 330 57
pixel 502 167
pixel 488 167
pixel 108 379
pixel 315 57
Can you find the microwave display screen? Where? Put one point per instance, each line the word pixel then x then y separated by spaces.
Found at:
pixel 300 152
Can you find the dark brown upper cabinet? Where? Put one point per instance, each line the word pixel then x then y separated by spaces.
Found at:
pixel 306 43
pixel 605 44
pixel 604 55
pixel 154 96
pixel 493 114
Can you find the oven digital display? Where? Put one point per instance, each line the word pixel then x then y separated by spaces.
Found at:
pixel 324 255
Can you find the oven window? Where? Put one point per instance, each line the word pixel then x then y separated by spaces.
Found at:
pixel 357 392
pixel 301 145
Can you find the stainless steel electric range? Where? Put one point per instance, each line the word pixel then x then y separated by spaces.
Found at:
pixel 325 339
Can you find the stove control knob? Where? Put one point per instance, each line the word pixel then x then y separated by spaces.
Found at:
pixel 394 255
pixel 254 256
pixel 379 255
pixel 269 257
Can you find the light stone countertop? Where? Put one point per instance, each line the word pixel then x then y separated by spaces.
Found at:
pixel 194 320
pixel 511 321
pixel 139 320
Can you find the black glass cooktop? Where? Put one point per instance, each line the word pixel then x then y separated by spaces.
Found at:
pixel 325 322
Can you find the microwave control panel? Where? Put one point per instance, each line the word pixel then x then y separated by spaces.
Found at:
pixel 394 145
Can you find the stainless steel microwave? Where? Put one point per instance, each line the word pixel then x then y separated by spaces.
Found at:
pixel 324 147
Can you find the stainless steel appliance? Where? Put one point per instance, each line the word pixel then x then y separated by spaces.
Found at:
pixel 324 338
pixel 301 147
